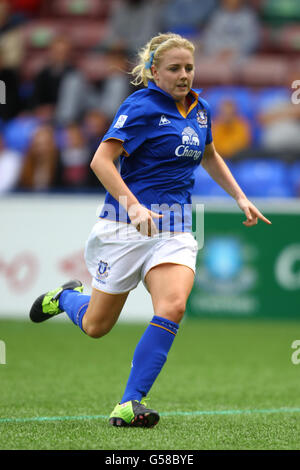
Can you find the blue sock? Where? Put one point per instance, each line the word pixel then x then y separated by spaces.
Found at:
pixel 149 357
pixel 75 305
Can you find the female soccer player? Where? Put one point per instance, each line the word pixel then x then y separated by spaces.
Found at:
pixel 161 134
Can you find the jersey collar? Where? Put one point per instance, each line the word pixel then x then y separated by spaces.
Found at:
pixel 181 109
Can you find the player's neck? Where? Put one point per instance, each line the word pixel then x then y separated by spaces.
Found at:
pixel 186 102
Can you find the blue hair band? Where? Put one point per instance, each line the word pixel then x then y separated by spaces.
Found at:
pixel 149 63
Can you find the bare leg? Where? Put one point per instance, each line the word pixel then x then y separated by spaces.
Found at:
pixel 102 313
pixel 170 286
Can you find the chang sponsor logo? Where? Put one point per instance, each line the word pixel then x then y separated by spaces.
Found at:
pixel 189 139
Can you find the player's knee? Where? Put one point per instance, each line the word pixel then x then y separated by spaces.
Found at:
pixel 95 330
pixel 173 310
pixel 178 311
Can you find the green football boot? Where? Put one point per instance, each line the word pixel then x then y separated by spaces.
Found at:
pixel 47 305
pixel 135 414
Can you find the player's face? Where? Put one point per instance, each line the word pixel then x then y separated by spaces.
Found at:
pixel 175 73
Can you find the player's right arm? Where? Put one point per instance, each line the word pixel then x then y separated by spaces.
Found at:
pixel 105 169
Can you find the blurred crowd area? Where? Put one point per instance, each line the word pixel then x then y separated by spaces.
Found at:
pixel 65 67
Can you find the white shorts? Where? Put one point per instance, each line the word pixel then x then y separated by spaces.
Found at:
pixel 118 257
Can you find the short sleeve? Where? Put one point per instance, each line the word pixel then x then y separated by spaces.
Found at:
pixel 128 126
pixel 209 137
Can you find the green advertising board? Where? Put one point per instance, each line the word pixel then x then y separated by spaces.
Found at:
pixel 248 271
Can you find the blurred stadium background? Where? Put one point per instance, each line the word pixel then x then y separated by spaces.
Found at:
pixel 229 383
pixel 65 68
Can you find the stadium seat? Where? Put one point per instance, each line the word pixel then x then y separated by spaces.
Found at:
pixel 202 182
pixel 265 99
pixel 269 40
pixel 294 178
pixel 211 71
pixel 18 132
pixel 270 96
pixel 289 38
pixel 243 97
pixel 280 191
pixel 206 186
pixel 85 34
pixel 295 69
pixel 264 70
pixel 264 178
pixel 81 8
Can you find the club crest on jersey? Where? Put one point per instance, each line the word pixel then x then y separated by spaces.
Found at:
pixel 102 271
pixel 189 138
pixel 202 118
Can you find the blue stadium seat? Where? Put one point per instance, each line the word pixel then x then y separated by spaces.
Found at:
pixel 18 132
pixel 262 101
pixel 206 186
pixel 264 178
pixel 243 97
pixel 269 97
pixel 294 178
pixel 202 182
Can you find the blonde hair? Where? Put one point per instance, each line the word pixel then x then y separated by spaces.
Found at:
pixel 153 52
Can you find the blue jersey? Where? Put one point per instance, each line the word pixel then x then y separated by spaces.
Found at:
pixel 163 145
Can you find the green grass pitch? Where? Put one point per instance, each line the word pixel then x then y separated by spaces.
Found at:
pixel 226 385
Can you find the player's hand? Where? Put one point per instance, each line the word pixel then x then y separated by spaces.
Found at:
pixel 251 212
pixel 142 219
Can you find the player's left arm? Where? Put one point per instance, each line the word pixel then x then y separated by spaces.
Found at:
pixel 215 166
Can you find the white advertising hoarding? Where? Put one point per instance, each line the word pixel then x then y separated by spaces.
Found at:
pixel 42 240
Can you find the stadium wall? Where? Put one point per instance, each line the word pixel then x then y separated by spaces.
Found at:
pixel 42 244
pixel 240 272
